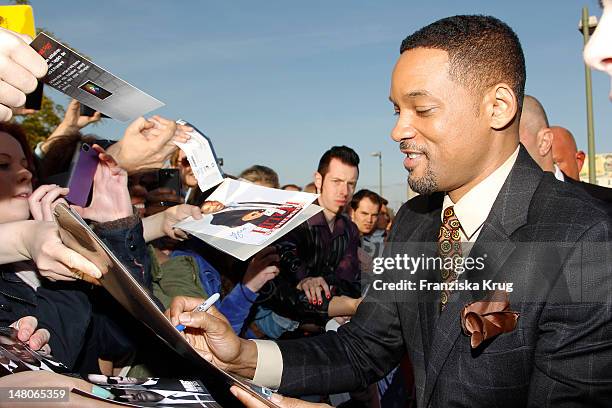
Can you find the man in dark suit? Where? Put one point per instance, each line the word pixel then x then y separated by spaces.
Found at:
pixel 594 190
pixel 565 152
pixel 554 149
pixel 569 160
pixel 457 89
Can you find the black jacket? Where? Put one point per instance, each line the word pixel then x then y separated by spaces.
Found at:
pixel 594 190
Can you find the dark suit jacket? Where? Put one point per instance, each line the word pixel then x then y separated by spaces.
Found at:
pixel 599 192
pixel 552 241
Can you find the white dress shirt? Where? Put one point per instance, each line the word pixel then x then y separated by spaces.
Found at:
pixel 474 207
pixel 472 210
pixel 559 174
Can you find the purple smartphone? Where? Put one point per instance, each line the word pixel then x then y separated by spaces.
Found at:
pixel 82 174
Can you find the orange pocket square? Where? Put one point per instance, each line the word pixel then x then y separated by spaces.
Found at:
pixel 486 319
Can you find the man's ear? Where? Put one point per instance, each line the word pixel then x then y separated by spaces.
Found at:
pixel 350 212
pixel 318 180
pixel 580 159
pixel 502 104
pixel 544 141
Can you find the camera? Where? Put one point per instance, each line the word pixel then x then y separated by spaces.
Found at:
pixel 289 259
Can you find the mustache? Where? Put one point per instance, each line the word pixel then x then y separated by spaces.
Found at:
pixel 410 145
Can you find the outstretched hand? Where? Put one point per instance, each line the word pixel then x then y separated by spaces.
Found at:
pixel 111 198
pixel 147 144
pixel 53 259
pixel 174 215
pixel 262 268
pixel 178 213
pixel 73 118
pixel 20 65
pixel 162 223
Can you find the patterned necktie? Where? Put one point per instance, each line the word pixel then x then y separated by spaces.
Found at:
pixel 449 247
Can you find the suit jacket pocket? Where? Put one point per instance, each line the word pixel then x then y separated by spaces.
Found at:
pixel 504 362
pixel 503 343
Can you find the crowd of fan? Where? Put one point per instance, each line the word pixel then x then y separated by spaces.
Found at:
pixel 45 287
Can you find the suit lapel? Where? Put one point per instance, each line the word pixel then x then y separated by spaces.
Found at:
pixel 427 308
pixel 509 212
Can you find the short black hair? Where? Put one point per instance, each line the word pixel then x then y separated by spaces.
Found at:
pixel 365 193
pixel 482 51
pixel 233 218
pixel 343 153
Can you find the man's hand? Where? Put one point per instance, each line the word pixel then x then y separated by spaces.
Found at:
pixel 20 65
pixel 37 339
pixel 147 144
pixel 53 259
pixel 250 401
pixel 212 336
pixel 262 268
pixel 111 198
pixel 74 120
pixel 72 123
pixel 314 287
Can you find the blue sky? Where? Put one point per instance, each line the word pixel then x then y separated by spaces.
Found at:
pixel 278 82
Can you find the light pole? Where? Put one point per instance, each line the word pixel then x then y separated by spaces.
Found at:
pixel 379 155
pixel 587 25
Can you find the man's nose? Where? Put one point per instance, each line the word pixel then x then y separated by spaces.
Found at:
pixel 344 189
pixel 403 129
pixel 598 51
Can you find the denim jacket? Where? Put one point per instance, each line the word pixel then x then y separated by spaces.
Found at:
pixel 236 305
pixel 65 308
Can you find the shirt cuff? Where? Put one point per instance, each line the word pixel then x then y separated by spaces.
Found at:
pixel 248 294
pixel 269 370
pixel 38 150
